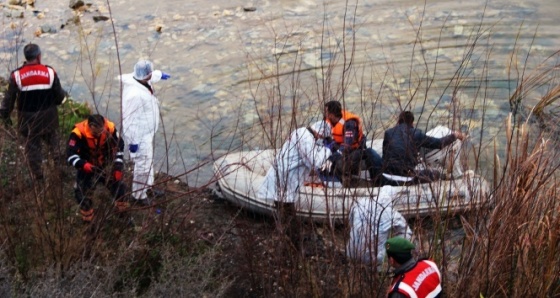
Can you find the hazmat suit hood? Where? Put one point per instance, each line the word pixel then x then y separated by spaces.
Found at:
pixel 143 69
pixel 323 128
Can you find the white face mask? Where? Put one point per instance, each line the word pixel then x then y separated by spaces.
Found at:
pixel 156 76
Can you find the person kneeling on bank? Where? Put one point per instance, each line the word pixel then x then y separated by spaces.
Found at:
pixel 411 278
pixel 94 147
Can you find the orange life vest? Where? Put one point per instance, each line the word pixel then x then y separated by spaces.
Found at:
pixel 98 147
pixel 338 129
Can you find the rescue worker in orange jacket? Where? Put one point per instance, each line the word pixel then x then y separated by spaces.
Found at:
pixel 411 278
pixel 347 133
pixel 94 146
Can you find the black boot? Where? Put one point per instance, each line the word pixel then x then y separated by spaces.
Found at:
pixel 155 193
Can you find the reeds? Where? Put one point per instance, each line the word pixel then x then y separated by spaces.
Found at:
pixel 203 247
pixel 510 250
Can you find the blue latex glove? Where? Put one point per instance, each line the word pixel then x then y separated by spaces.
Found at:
pixel 329 143
pixel 133 148
pixel 165 76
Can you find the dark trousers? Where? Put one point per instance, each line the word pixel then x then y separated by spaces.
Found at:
pixel 85 185
pixel 350 164
pixel 33 151
pixel 35 128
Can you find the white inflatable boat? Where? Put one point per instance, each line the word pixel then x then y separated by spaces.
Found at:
pixel 240 174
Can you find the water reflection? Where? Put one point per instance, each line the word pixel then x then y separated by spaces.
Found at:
pixel 235 72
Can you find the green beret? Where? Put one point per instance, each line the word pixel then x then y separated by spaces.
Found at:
pixel 399 245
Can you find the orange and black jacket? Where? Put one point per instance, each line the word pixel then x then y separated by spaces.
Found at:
pixel 84 147
pixel 349 131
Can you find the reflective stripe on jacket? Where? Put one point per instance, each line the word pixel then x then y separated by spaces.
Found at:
pixel 35 87
pixel 423 280
pixel 98 149
pixel 338 129
pixel 34 77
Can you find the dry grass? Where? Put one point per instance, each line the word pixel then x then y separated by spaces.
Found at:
pixel 510 250
pixel 200 247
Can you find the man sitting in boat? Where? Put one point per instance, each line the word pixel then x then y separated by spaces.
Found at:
pixel 347 132
pixel 401 147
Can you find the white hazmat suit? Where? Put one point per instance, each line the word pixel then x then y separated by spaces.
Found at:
pixel 140 122
pixel 440 158
pixel 373 221
pixel 294 162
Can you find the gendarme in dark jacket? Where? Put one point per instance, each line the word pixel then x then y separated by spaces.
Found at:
pixel 34 90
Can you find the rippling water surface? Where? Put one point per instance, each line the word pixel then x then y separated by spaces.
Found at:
pixel 239 66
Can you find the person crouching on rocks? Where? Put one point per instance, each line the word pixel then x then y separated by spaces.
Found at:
pixel 94 146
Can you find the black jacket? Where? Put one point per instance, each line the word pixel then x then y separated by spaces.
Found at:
pixel 101 152
pixel 401 146
pixel 36 103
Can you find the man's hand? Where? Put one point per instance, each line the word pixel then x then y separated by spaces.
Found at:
pixel 329 143
pixel 117 175
pixel 133 148
pixel 459 135
pixel 326 166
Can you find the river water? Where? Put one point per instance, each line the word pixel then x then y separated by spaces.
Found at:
pixel 246 73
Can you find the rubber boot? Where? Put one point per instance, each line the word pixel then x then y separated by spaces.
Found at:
pixel 87 215
pixel 122 206
pixel 155 193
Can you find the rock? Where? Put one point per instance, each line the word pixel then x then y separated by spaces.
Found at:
pixel 13 13
pixel 75 4
pixel 178 17
pixel 444 99
pixel 457 31
pixel 15 2
pixel 100 18
pixel 250 8
pixel 204 89
pixel 74 19
pixel 48 29
pixel 102 9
